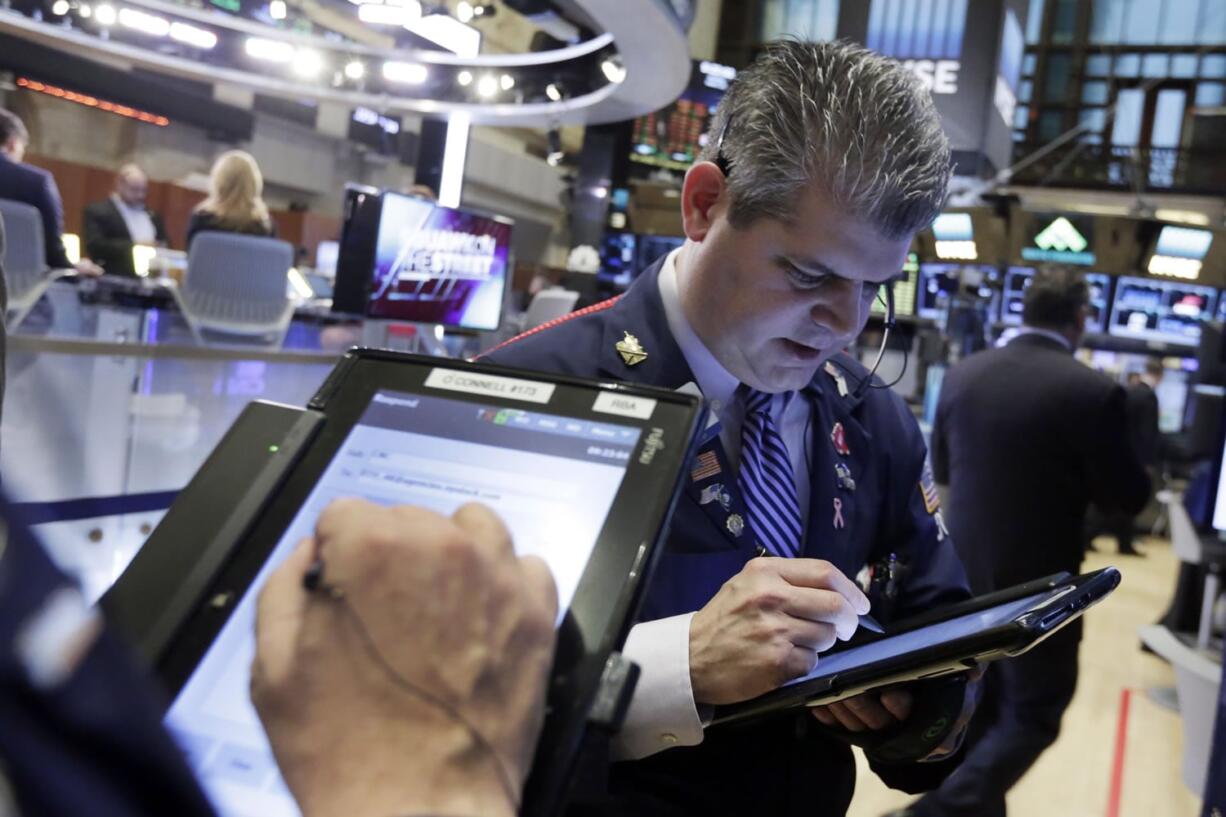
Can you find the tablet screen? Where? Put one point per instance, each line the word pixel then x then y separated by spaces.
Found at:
pixel 551 478
pixel 920 639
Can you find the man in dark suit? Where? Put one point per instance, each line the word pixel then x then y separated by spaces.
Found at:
pixel 35 186
pixel 814 473
pixel 120 221
pixel 1025 438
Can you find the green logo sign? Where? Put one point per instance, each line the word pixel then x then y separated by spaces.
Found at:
pixel 1061 236
pixel 1060 242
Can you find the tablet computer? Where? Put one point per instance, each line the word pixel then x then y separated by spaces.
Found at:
pixel 943 642
pixel 585 475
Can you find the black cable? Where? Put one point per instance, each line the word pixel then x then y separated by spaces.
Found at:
pixel 313 582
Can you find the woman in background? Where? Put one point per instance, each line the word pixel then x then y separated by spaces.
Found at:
pixel 234 204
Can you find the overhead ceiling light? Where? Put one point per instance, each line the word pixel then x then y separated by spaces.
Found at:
pixel 277 10
pixel 60 7
pixel 1184 216
pixel 106 15
pixel 191 35
pixel 145 23
pixel 355 69
pixel 487 86
pixel 410 73
pixel 448 32
pixel 464 12
pixel 465 78
pixel 613 70
pixel 553 92
pixel 307 63
pixel 86 10
pixel 385 15
pixel 261 48
pixel 506 82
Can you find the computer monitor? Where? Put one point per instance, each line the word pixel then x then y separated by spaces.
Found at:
pixel 1167 311
pixel 440 265
pixel 1017 279
pixel 618 258
pixel 944 280
pixel 904 290
pixel 653 247
pixel 406 258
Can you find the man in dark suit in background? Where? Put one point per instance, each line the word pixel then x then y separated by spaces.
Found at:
pixel 120 221
pixel 1141 409
pixel 35 186
pixel 1026 438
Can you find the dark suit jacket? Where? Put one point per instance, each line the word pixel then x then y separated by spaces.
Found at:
pixel 107 240
pixel 203 221
pixel 1026 438
pixel 99 727
pixel 4 306
pixel 1215 784
pixel 1141 406
pixel 783 766
pixel 35 186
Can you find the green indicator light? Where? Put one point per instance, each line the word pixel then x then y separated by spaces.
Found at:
pixel 272 449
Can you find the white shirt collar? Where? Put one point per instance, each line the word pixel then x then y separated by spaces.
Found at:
pixel 1046 333
pixel 716 383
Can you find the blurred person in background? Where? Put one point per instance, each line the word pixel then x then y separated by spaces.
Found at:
pixel 120 221
pixel 34 186
pixel 1145 435
pixel 1025 439
pixel 235 203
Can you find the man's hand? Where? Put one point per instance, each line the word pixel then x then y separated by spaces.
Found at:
pixel 882 708
pixel 87 268
pixel 874 710
pixel 766 626
pixel 451 610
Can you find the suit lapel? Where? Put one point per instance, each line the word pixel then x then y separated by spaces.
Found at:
pixel 835 513
pixel 640 313
pixel 120 221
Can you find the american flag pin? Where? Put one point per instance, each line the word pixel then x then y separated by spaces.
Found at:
pixel 706 465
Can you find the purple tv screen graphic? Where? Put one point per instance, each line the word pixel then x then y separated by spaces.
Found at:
pixel 438 265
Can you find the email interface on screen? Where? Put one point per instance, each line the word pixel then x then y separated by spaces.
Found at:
pixel 918 640
pixel 552 479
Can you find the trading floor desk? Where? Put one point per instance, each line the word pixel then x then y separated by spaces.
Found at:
pixel 110 407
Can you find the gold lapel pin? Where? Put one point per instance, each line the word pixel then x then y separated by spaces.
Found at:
pixel 631 350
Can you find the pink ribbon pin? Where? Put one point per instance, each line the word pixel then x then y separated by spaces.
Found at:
pixel 838 513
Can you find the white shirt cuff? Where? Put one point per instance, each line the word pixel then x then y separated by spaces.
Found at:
pixel 662 712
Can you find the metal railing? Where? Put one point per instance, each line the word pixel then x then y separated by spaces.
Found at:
pixel 1116 167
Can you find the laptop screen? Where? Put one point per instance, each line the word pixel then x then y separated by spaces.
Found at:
pixel 552 479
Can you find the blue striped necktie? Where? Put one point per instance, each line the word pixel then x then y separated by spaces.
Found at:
pixel 766 479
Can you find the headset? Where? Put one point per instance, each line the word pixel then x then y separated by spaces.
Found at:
pixel 890 322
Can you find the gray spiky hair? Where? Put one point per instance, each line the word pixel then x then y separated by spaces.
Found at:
pixel 857 123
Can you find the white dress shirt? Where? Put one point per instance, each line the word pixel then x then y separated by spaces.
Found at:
pixel 138 220
pixel 663 713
